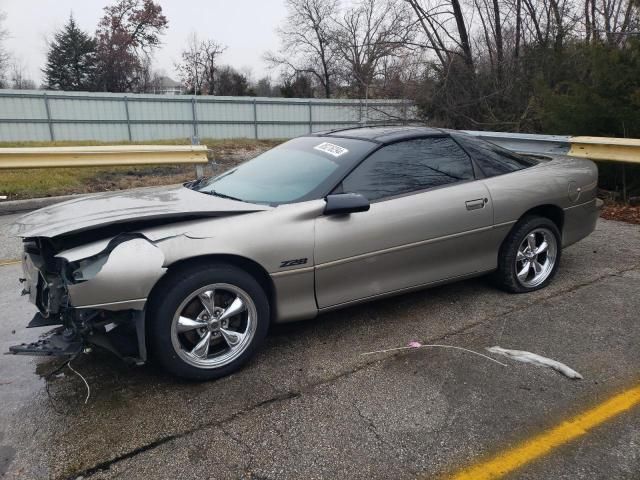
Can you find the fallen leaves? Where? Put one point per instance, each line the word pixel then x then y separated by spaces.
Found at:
pixel 621 213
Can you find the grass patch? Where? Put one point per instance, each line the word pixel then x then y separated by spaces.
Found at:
pixel 212 143
pixel 34 183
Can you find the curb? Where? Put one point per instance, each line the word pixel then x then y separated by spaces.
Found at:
pixel 18 206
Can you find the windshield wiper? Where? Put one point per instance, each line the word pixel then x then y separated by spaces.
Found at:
pixel 221 195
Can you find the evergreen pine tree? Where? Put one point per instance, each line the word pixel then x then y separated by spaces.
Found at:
pixel 71 60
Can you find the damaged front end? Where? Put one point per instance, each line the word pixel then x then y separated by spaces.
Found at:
pixel 89 269
pixel 91 294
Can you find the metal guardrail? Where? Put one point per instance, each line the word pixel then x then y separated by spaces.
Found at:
pixel 102 156
pixel 595 148
pixel 625 150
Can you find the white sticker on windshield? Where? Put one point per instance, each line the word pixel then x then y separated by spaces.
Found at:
pixel 331 149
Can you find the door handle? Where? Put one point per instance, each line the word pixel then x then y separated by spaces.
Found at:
pixel 476 204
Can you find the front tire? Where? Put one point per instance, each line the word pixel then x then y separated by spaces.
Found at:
pixel 530 255
pixel 207 321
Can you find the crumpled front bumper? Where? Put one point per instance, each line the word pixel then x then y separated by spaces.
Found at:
pixel 95 300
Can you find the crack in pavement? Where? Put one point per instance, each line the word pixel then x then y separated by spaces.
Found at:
pixel 103 466
pixel 289 395
pixel 244 446
pixel 371 426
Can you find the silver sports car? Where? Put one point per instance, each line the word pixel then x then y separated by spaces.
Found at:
pixel 194 275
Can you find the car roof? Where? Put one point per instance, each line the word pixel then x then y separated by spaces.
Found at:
pixel 383 133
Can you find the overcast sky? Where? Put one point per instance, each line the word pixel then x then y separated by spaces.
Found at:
pixel 246 27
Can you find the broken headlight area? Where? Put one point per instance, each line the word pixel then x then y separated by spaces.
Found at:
pixel 87 268
pixel 121 333
pixel 43 281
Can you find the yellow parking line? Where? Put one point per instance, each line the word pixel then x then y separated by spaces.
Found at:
pixel 4 263
pixel 540 445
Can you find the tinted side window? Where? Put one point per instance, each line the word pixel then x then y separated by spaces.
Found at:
pixel 492 159
pixel 409 166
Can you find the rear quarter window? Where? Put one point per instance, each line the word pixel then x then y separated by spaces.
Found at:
pixel 492 159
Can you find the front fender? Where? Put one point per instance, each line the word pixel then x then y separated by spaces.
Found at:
pixel 118 277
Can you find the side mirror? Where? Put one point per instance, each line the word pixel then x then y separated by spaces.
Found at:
pixel 344 203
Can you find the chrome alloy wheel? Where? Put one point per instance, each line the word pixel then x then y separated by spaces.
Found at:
pixel 214 325
pixel 536 257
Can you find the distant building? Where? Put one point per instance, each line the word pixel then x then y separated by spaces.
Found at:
pixel 167 86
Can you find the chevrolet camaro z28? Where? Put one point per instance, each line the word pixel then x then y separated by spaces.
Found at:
pixel 194 275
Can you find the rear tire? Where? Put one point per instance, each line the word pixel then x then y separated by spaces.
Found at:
pixel 530 255
pixel 207 321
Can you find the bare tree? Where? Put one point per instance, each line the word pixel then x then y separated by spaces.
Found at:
pixel 199 64
pixel 4 56
pixel 469 63
pixel 307 42
pixel 211 50
pixel 368 35
pixel 611 21
pixel 475 81
pixel 18 78
pixel 445 29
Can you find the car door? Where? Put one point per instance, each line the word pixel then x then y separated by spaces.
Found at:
pixel 429 220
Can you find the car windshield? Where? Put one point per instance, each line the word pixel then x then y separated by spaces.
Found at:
pixel 301 169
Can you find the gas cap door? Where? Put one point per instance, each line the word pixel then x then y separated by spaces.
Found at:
pixel 574 191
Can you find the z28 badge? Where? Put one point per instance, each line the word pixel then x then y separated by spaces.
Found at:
pixel 293 263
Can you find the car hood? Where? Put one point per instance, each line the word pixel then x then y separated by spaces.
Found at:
pixel 88 212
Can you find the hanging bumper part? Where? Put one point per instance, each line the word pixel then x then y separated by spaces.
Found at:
pixel 60 342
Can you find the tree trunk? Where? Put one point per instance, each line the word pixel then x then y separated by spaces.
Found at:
pixel 462 32
pixel 587 22
pixel 516 52
pixel 498 35
pixel 559 38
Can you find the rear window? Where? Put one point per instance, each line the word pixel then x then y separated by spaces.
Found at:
pixel 492 159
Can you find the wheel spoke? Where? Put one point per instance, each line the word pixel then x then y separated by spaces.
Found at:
pixel 531 240
pixel 185 324
pixel 201 350
pixel 235 308
pixel 208 302
pixel 520 256
pixel 232 337
pixel 537 267
pixel 542 248
pixel 522 274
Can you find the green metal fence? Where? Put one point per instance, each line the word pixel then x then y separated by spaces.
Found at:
pixel 47 115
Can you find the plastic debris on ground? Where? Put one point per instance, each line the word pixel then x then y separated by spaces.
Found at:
pixel 535 359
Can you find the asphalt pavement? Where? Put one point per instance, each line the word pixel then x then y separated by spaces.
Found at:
pixel 10 246
pixel 310 405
